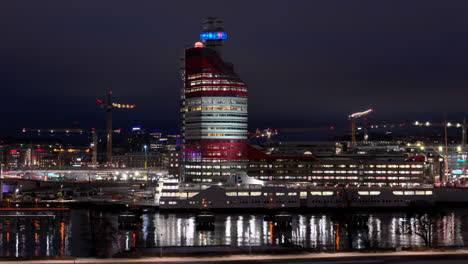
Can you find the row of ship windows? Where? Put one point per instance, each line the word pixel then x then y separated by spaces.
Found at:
pixel 414 166
pixel 283 202
pixel 264 194
pixel 302 194
pixel 336 177
pixel 342 172
pixel 200 180
pixel 169 202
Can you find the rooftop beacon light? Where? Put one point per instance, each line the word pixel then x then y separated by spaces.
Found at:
pixel 198 44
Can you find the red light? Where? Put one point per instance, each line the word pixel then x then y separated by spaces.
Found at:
pixel 99 101
pixel 110 92
pixel 39 150
pixel 403 124
pixel 13 151
pixel 93 128
pixel 365 118
pixel 332 127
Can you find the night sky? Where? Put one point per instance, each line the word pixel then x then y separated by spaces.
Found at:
pixel 307 63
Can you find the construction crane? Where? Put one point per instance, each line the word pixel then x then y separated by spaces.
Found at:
pixel 93 144
pixel 108 104
pixel 446 125
pixel 353 118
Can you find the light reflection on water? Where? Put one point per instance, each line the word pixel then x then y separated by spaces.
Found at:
pixel 50 234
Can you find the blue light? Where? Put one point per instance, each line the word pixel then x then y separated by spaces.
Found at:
pixel 213 35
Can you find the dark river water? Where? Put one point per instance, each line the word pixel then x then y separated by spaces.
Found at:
pixel 81 232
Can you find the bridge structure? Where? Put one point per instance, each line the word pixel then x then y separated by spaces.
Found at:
pixel 77 175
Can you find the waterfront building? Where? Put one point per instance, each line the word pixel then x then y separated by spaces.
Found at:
pixel 214 111
pixel 368 170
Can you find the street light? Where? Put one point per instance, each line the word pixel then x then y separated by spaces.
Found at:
pixel 1 182
pixel 146 156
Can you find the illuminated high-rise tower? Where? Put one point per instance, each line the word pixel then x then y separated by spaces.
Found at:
pixel 214 111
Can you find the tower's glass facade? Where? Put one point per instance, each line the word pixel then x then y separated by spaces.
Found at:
pixel 214 118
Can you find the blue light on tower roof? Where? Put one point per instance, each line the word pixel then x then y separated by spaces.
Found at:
pixel 213 35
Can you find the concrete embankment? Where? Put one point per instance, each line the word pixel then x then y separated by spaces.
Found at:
pixel 428 256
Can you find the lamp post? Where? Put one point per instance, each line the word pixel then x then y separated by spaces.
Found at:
pixel 145 147
pixel 1 180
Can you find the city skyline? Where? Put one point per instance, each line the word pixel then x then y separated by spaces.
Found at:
pixel 314 64
pixel 204 131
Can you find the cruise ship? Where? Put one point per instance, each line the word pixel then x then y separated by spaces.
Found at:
pixel 174 196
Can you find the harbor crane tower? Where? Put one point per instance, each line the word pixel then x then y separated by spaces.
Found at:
pixel 353 118
pixel 108 104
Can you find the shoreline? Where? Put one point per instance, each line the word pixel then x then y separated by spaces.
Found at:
pixel 433 254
